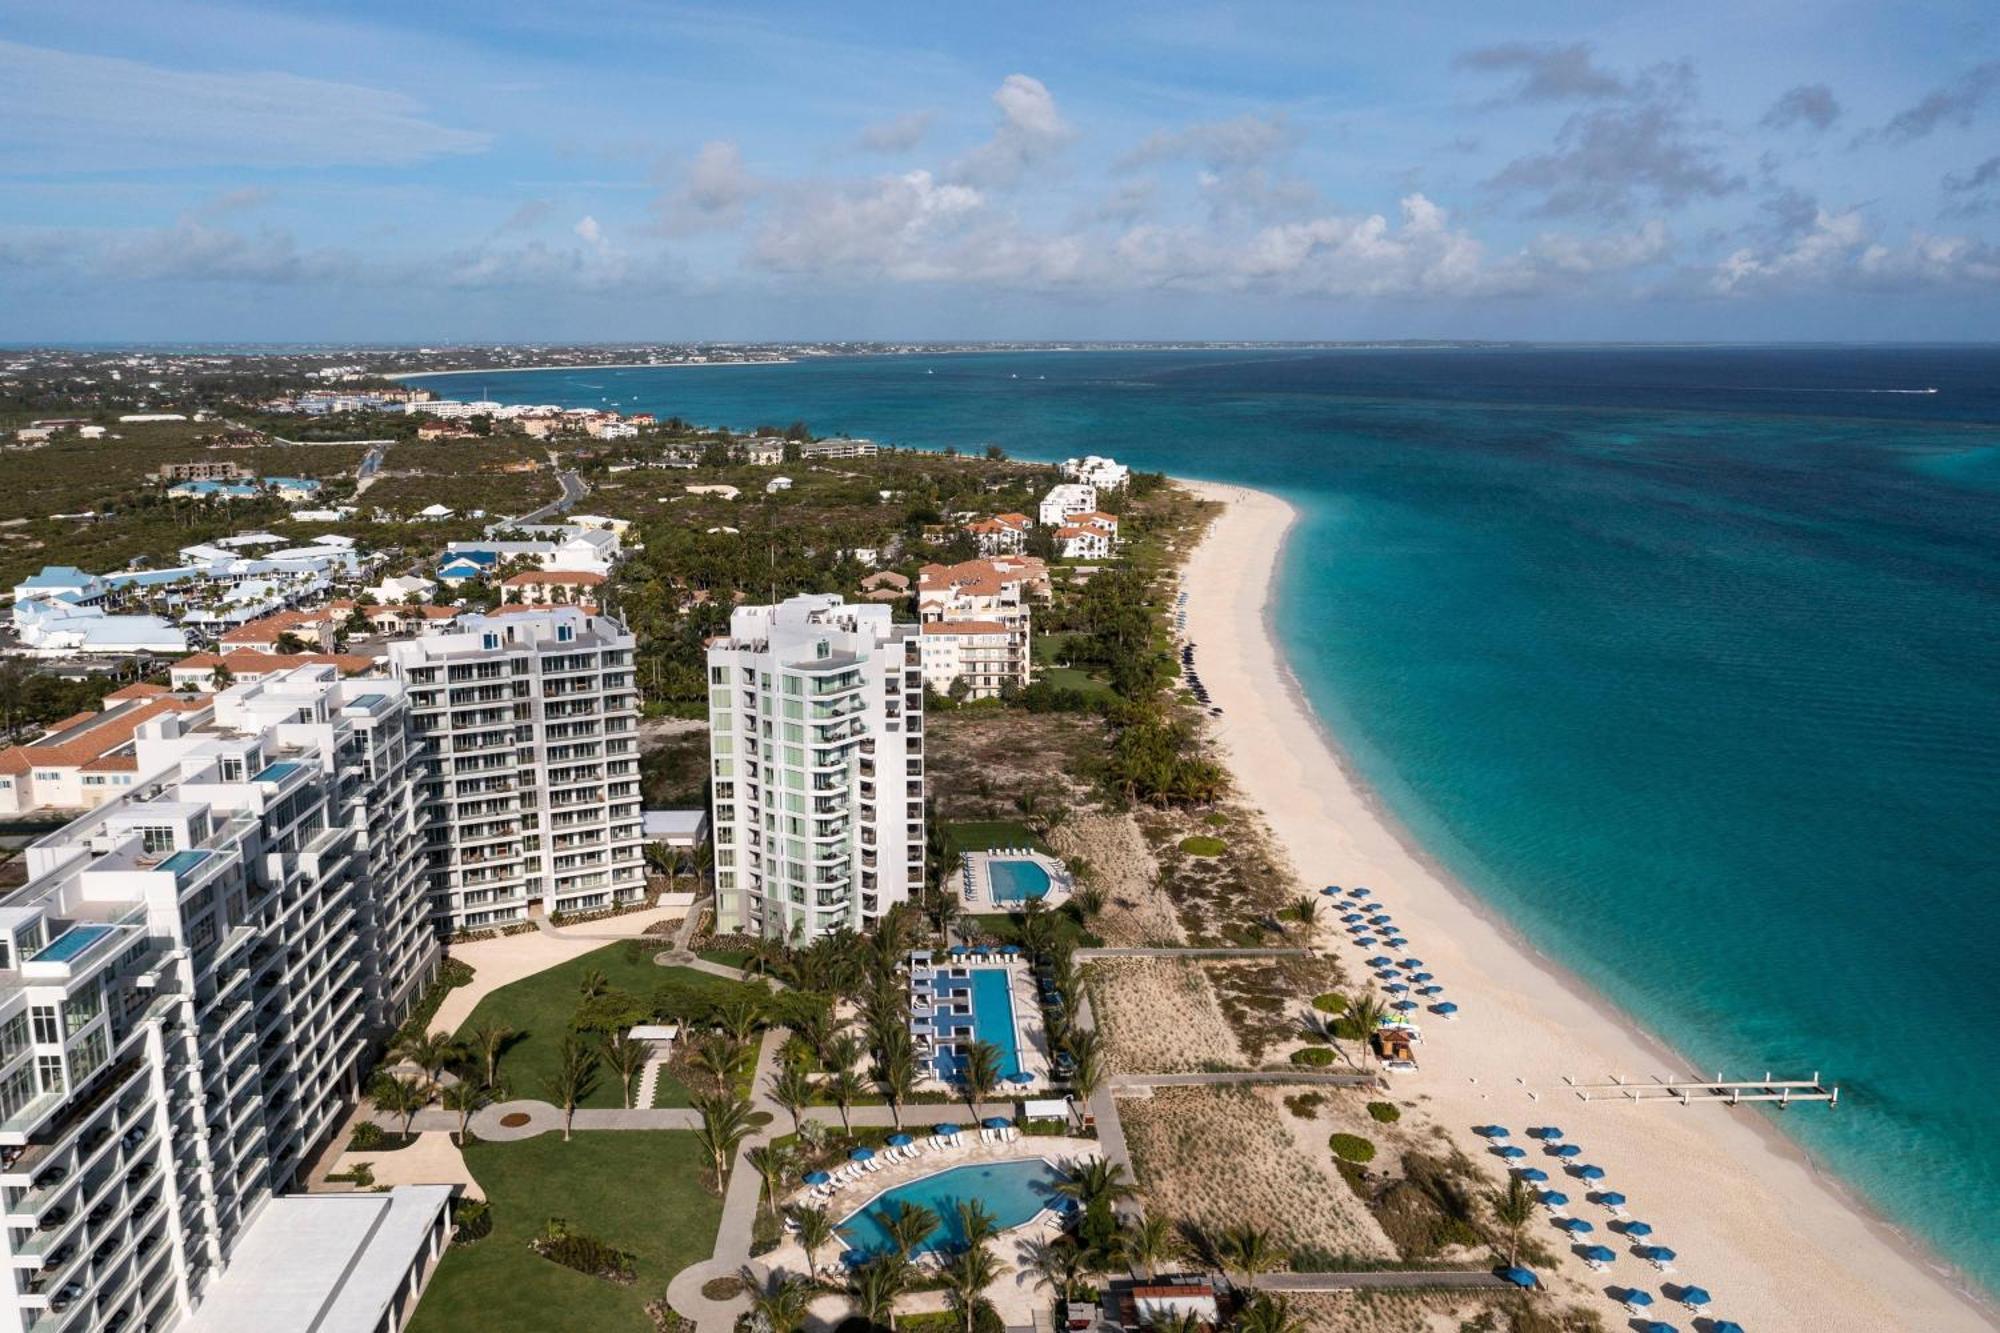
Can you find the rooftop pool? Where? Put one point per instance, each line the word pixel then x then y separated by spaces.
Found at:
pixel 1014 1192
pixel 1013 880
pixel 71 944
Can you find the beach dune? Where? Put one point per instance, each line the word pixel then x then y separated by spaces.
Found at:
pixel 1778 1245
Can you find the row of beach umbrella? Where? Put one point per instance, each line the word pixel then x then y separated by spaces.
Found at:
pixel 1368 921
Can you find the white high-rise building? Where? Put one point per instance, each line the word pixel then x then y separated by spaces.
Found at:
pixel 527 729
pixel 188 983
pixel 816 743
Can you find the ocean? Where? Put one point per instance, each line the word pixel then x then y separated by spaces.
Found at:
pixel 1685 660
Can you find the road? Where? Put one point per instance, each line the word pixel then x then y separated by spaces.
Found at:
pixel 573 489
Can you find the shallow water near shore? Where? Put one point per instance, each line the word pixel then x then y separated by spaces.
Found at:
pixel 1686 661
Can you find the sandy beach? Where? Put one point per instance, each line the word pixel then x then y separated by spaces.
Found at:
pixel 1778 1245
pixel 597 365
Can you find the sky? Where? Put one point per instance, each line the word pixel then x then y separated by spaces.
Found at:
pixel 607 170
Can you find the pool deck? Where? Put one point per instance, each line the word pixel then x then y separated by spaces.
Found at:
pixel 973 882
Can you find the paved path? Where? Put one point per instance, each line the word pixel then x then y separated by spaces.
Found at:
pixel 1136 1082
pixel 1104 1116
pixel 1085 955
pixel 1399 1279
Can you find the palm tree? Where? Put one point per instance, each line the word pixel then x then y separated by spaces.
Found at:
pixel 1086 1051
pixel 844 1087
pixel 430 1052
pixel 982 1072
pixel 763 955
pixel 909 1225
pixel 898 1075
pixel 1269 1314
pixel 395 1095
pixel 725 1123
pixel 221 678
pixel 1513 1209
pixel 945 913
pixel 816 1232
pixel 719 1056
pixel 1094 1183
pixel 1365 1013
pixel 1058 1265
pixel 792 1088
pixel 740 1019
pixel 781 1304
pixel 966 1279
pixel 487 1041
pixel 843 1051
pixel 465 1097
pixel 1149 1241
pixel 976 1223
pixel 1250 1250
pixel 574 1077
pixel 626 1058
pixel 874 1287
pixel 1168 1320
pixel 772 1163
pixel 593 983
pixel 1305 909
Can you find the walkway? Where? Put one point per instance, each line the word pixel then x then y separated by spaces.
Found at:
pixel 1318 1077
pixel 1086 955
pixel 1388 1279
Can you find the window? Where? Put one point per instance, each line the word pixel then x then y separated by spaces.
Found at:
pixel 49 1072
pixel 155 839
pixel 13 1037
pixel 82 1007
pixel 17 1091
pixel 48 1027
pixel 565 633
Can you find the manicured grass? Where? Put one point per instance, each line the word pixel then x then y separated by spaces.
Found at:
pixel 983 835
pixel 1005 927
pixel 539 1009
pixel 1048 650
pixel 639 1190
pixel 737 958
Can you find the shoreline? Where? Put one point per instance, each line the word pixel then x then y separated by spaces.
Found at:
pixel 600 365
pixel 1722 1187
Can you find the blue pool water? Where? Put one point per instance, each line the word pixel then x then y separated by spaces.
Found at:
pixel 183 861
pixel 70 945
pixel 991 1020
pixel 277 772
pixel 1014 881
pixel 1687 660
pixel 1012 1191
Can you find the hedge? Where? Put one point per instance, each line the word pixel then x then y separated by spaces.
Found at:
pixel 1333 1002
pixel 1313 1057
pixel 1351 1148
pixel 1384 1113
pixel 1200 844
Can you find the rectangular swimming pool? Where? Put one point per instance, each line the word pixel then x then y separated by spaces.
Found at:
pixel 71 944
pixel 990 993
pixel 1011 880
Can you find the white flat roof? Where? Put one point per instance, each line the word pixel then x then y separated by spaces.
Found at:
pixel 673 823
pixel 321 1263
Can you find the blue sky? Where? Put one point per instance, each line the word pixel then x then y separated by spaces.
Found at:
pixel 611 169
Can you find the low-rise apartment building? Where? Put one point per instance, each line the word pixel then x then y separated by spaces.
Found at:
pixel 1106 474
pixel 1065 501
pixel 997 591
pixel 86 760
pixel 527 728
pixel 1002 534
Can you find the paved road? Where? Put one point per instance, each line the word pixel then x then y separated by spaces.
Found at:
pixel 573 489
pixel 1085 955
pixel 1133 1082
pixel 1403 1280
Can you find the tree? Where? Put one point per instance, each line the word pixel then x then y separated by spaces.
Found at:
pixel 627 1058
pixel 780 1304
pixel 289 643
pixel 909 1225
pixel 1087 1074
pixel 465 1097
pixel 574 1077
pixel 1094 1181
pixel 1250 1250
pixel 966 1279
pixel 221 678
pixel 792 1088
pixel 1365 1012
pixel 1058 1265
pixel 816 1232
pixel 1268 1314
pixel 772 1163
pixel 593 983
pixel 725 1123
pixel 874 1287
pixel 1149 1241
pixel 1513 1209
pixel 719 1056
pixel 976 1223
pixel 1305 910
pixel 981 1075
pixel 898 1075
pixel 399 1096
pixel 430 1052
pixel 844 1087
pixel 487 1041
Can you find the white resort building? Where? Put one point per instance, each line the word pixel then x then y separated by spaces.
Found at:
pixel 816 750
pixel 189 979
pixel 526 726
pixel 1106 474
pixel 1065 501
pixel 961 606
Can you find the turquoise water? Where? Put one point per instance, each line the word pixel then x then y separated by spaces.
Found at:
pixel 1012 1191
pixel 71 944
pixel 991 997
pixel 1687 661
pixel 1016 881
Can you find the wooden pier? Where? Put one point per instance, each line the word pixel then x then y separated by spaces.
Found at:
pixel 1730 1092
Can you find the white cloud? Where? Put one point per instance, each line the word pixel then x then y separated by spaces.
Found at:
pixel 898 134
pixel 65 111
pixel 713 193
pixel 1221 146
pixel 1842 249
pixel 891 227
pixel 1031 130
pixel 588 230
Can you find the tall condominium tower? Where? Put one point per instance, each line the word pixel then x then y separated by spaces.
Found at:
pixel 527 751
pixel 188 981
pixel 816 744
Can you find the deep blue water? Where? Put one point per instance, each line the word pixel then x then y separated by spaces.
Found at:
pixel 1686 660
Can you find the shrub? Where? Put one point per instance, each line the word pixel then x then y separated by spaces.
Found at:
pixel 472 1220
pixel 1200 844
pixel 367 1136
pixel 1305 1105
pixel 584 1253
pixel 1384 1113
pixel 1351 1148
pixel 722 1288
pixel 1333 1002
pixel 1216 820
pixel 1313 1057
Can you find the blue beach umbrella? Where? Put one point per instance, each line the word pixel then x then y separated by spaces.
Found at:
pixel 1491 1131
pixel 1447 1008
pixel 1657 1254
pixel 1611 1199
pixel 1431 990
pixel 1420 976
pixel 996 1122
pixel 1511 1153
pixel 1396 941
pixel 1365 941
pixel 1359 892
pixel 861 1155
pixel 1352 917
pixel 1378 961
pixel 1381 919
pixel 1596 1254
pixel 1387 974
pixel 1567 1150
pixel 1725 1326
pixel 1635 1297
pixel 1398 988
pixel 816 1177
pixel 1413 962
pixel 1534 1175
pixel 1330 890
pixel 1637 1228
pixel 947 1129
pixel 1576 1226
pixel 1403 1006
pixel 1555 1198
pixel 1022 1077
pixel 1520 1277
pixel 1590 1173
pixel 1010 950
pixel 1695 1297
pixel 1546 1133
pixel 1656 1326
pixel 900 1140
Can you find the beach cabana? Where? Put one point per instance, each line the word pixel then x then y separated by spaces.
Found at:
pixel 1695 1298
pixel 1520 1277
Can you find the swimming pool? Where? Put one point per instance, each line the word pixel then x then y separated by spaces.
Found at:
pixel 1010 880
pixel 71 944
pixel 989 992
pixel 1014 1192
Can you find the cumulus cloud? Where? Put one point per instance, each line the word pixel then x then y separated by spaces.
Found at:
pixel 62 108
pixel 1810 104
pixel 1546 72
pixel 1843 249
pixel 1031 130
pixel 899 134
pixel 1955 104
pixel 588 231
pixel 712 194
pixel 894 227
pixel 1608 160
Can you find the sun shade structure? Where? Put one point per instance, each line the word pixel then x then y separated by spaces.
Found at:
pixel 861 1155
pixel 1636 1299
pixel 816 1177
pixel 1695 1297
pixel 1520 1277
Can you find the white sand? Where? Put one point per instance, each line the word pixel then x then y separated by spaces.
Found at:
pixel 1778 1246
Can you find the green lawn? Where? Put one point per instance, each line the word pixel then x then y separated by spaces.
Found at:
pixel 1005 927
pixel 1048 650
pixel 736 958
pixel 638 1190
pixel 539 1008
pixel 980 835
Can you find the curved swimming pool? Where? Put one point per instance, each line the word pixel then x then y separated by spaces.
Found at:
pixel 1012 1191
